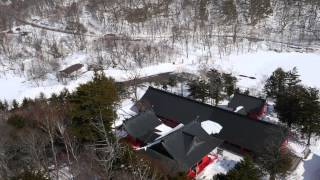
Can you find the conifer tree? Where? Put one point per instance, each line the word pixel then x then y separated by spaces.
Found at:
pixel 286 89
pixel 244 170
pixel 310 115
pixel 6 105
pixel 15 104
pixel 229 82
pixel 274 161
pixel 215 85
pixel 198 90
pixel 276 83
pixel 289 106
pixel 93 102
pixel 292 78
pixel 2 108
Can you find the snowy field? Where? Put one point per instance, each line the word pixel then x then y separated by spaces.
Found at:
pixel 261 64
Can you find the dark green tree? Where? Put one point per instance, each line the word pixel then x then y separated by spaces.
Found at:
pixel 276 83
pixel 310 115
pixel 2 107
pixel 286 89
pixel 229 82
pixel 244 170
pixel 15 104
pixel 64 95
pixel 6 105
pixel 199 90
pixel 92 103
pixel 17 121
pixel 292 78
pixel 215 85
pixel 289 106
pixel 26 102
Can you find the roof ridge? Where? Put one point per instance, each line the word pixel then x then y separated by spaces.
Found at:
pixel 215 107
pixel 247 95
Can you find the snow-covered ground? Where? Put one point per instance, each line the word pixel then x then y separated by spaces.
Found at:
pixel 222 165
pixel 261 64
pixel 309 169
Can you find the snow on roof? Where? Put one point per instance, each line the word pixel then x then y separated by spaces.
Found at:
pixel 211 127
pixel 171 131
pixel 163 129
pixel 238 108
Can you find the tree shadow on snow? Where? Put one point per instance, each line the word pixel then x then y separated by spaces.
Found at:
pixel 312 168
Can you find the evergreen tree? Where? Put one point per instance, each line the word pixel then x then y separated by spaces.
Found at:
pixel 274 161
pixel 2 108
pixel 276 83
pixel 54 98
pixel 215 85
pixel 292 78
pixel 310 115
pixel 286 89
pixel 198 90
pixel 17 121
pixel 244 170
pixel 172 82
pixel 289 106
pixel 6 105
pixel 64 95
pixel 93 102
pixel 26 102
pixel 15 104
pixel 229 82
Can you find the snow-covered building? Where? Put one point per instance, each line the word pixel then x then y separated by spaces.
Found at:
pixel 251 106
pixel 167 123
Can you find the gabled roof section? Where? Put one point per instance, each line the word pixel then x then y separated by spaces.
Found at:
pixel 250 103
pixel 142 126
pixel 187 145
pixel 237 129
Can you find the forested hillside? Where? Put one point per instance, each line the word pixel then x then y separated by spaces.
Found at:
pixel 37 36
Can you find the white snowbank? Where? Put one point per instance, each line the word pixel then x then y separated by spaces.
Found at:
pixel 211 127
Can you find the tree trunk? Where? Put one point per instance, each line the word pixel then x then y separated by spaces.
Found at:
pixel 272 177
pixel 309 138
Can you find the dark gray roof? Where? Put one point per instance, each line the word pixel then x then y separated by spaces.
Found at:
pixel 187 145
pixel 237 129
pixel 72 68
pixel 142 126
pixel 250 103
